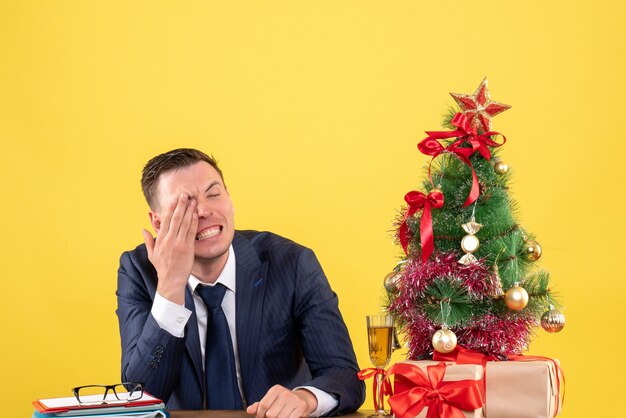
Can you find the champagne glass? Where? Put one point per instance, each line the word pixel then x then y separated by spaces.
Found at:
pixel 379 336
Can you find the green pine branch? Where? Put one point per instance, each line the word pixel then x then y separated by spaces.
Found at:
pixel 447 302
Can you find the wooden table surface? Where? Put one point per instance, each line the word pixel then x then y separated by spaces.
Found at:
pixel 241 414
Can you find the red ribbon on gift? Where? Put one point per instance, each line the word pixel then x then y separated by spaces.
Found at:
pixel 416 201
pixel 386 385
pixel 560 377
pixel 462 355
pixel 466 134
pixel 443 399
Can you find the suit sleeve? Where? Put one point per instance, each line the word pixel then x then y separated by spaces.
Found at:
pixel 150 355
pixel 324 337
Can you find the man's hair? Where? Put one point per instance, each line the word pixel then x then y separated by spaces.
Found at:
pixel 171 160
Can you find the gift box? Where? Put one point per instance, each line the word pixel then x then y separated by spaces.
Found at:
pixel 523 389
pixel 445 386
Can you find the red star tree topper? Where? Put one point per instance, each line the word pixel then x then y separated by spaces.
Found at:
pixel 478 107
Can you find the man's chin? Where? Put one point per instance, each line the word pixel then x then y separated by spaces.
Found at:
pixel 211 254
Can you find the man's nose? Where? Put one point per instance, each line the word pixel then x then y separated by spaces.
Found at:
pixel 203 207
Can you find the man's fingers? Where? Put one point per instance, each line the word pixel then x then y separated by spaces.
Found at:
pixel 280 408
pixel 176 222
pixel 298 413
pixel 252 408
pixel 149 240
pixel 167 217
pixel 283 403
pixel 193 227
pixel 261 409
pixel 266 403
pixel 187 229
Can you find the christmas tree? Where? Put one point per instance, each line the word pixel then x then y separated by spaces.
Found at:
pixel 469 275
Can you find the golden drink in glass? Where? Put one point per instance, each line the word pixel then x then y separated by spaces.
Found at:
pixel 379 336
pixel 380 345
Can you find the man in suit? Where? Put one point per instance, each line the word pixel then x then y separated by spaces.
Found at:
pixel 273 341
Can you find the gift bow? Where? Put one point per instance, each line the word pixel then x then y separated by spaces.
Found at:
pixel 416 201
pixel 466 134
pixel 385 387
pixel 443 399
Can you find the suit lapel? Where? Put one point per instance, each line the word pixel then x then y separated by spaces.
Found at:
pixel 192 342
pixel 251 281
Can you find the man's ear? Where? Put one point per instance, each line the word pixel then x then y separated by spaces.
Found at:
pixel 155 220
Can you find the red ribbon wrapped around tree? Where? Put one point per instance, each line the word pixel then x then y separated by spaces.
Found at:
pixel 427 389
pixel 416 201
pixel 466 134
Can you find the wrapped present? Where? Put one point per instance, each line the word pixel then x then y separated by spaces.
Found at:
pixel 524 388
pixel 429 389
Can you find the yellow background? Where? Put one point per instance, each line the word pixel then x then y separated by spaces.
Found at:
pixel 314 109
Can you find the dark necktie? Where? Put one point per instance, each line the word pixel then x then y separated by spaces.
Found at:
pixel 222 390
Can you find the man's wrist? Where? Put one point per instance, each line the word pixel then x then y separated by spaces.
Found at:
pixel 176 295
pixel 309 398
pixel 325 402
pixel 170 316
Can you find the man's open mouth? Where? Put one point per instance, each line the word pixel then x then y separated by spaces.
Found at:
pixel 208 233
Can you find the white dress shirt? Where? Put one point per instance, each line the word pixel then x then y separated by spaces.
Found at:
pixel 173 317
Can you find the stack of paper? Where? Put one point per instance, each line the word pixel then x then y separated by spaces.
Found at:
pixel 146 407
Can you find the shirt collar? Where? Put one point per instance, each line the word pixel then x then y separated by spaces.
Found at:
pixel 227 277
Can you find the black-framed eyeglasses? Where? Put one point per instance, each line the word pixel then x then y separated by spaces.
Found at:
pixel 108 394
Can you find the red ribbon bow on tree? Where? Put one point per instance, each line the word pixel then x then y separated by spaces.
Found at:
pixel 416 201
pixel 466 134
pixel 443 399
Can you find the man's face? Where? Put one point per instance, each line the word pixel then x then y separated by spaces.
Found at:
pixel 215 209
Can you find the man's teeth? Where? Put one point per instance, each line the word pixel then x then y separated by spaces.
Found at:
pixel 211 232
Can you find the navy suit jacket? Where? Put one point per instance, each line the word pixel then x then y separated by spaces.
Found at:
pixel 289 328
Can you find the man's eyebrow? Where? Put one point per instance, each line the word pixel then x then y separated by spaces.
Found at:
pixel 211 185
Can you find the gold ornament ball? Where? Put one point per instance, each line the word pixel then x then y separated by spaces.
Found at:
pixel 553 320
pixel 516 298
pixel 391 281
pixel 532 250
pixel 444 340
pixel 500 167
